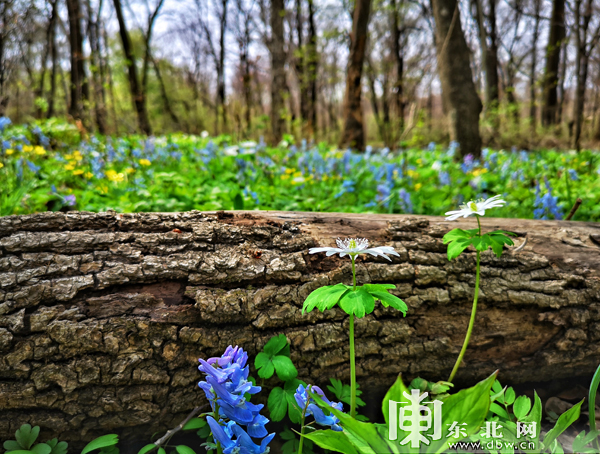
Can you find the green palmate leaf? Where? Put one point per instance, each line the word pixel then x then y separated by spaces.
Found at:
pixel 564 421
pixel 275 345
pixel 183 449
pixel 395 393
pixel 294 412
pixel 358 302
pixel 521 407
pixel 277 404
pixel 498 410
pixel 26 435
pixel 42 448
pixel 502 232
pixel 325 297
pixel 284 368
pixel 509 396
pixel 379 287
pixel 21 451
pixel 583 439
pixel 458 234
pixel 332 440
pixel 387 299
pixel 264 365
pixel 193 424
pixel 101 442
pixel 456 247
pixel 342 392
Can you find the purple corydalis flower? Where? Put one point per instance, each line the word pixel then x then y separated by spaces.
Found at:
pixel 303 401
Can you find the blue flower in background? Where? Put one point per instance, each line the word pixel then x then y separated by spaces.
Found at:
pixel 70 200
pixel 523 155
pixel 303 401
pixel 468 163
pixel 4 122
pixel 444 178
pixel 431 146
pixel 44 141
pixel 573 175
pixel 384 191
pixel 33 167
pixel 546 204
pixel 347 186
pixel 404 201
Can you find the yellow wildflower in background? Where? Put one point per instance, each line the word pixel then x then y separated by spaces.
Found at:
pixel 39 150
pixel 478 172
pixel 130 170
pixel 419 161
pixel 1 165
pixel 77 172
pixel 144 162
pixel 115 177
pixel 10 151
pixel 69 167
pixel 418 186
pixel 27 148
pixel 412 173
pixel 285 177
pixel 288 171
pixel 88 175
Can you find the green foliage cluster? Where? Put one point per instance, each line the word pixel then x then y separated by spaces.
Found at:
pixel 47 166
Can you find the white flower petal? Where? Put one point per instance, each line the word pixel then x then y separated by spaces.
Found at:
pixel 333 251
pixel 314 250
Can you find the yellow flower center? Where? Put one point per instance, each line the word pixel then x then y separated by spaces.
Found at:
pixel 352 244
pixel 473 206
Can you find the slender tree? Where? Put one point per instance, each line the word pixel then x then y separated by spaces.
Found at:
pixel 458 90
pixel 275 43
pixel 550 81
pixel 96 67
pixel 79 85
pixel 353 134
pixel 137 94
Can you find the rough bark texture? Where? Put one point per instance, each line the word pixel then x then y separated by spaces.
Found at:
pixel 277 51
pixel 79 86
pixel 103 316
pixel 458 90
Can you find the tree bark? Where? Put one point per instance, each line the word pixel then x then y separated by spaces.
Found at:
pixel 489 52
pixel 137 94
pixel 55 63
pixel 534 39
pixel 103 316
pixel 278 82
pixel 79 85
pixel 310 73
pixel 50 41
pixel 458 89
pixel 353 135
pixel 550 83
pixel 97 70
pixel 398 50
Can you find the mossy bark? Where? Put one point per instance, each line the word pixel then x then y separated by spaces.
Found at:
pixel 103 316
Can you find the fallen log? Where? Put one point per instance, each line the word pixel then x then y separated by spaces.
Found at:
pixel 103 316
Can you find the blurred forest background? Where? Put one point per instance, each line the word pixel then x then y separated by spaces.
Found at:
pixel 497 73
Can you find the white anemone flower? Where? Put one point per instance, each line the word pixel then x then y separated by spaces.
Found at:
pixel 231 151
pixel 204 134
pixel 477 208
pixel 353 247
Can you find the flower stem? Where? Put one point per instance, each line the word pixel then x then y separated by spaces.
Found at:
pixel 302 423
pixel 472 320
pixel 352 370
pixel 352 355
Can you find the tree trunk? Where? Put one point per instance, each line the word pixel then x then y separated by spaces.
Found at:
pixel 79 85
pixel 458 89
pixel 536 29
pixel 50 32
pixel 97 75
pixel 398 51
pixel 278 83
pixel 353 135
pixel 55 63
pixel 103 316
pixel 310 73
pixel 550 83
pixel 164 95
pixel 137 94
pixel 221 69
pixel 489 53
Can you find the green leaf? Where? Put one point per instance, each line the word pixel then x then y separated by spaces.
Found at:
pixel 275 345
pixel 521 407
pixel 238 204
pixel 27 435
pixel 183 449
pixel 147 448
pixel 287 434
pixel 468 406
pixel 58 447
pixel 277 404
pixel 502 232
pixel 332 440
pixel 161 451
pixel 500 411
pixel 564 421
pixel 294 412
pixel 395 393
pixel 101 442
pixel 284 368
pixel 509 396
pixel 455 234
pixel 21 451
pixel 42 448
pixel 582 440
pixel 358 302
pixel 192 424
pixel 325 297
pixel 387 299
pixel 536 412
pixel 456 247
pixel 264 365
pixel 379 287
pixel 12 445
pixel 419 383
